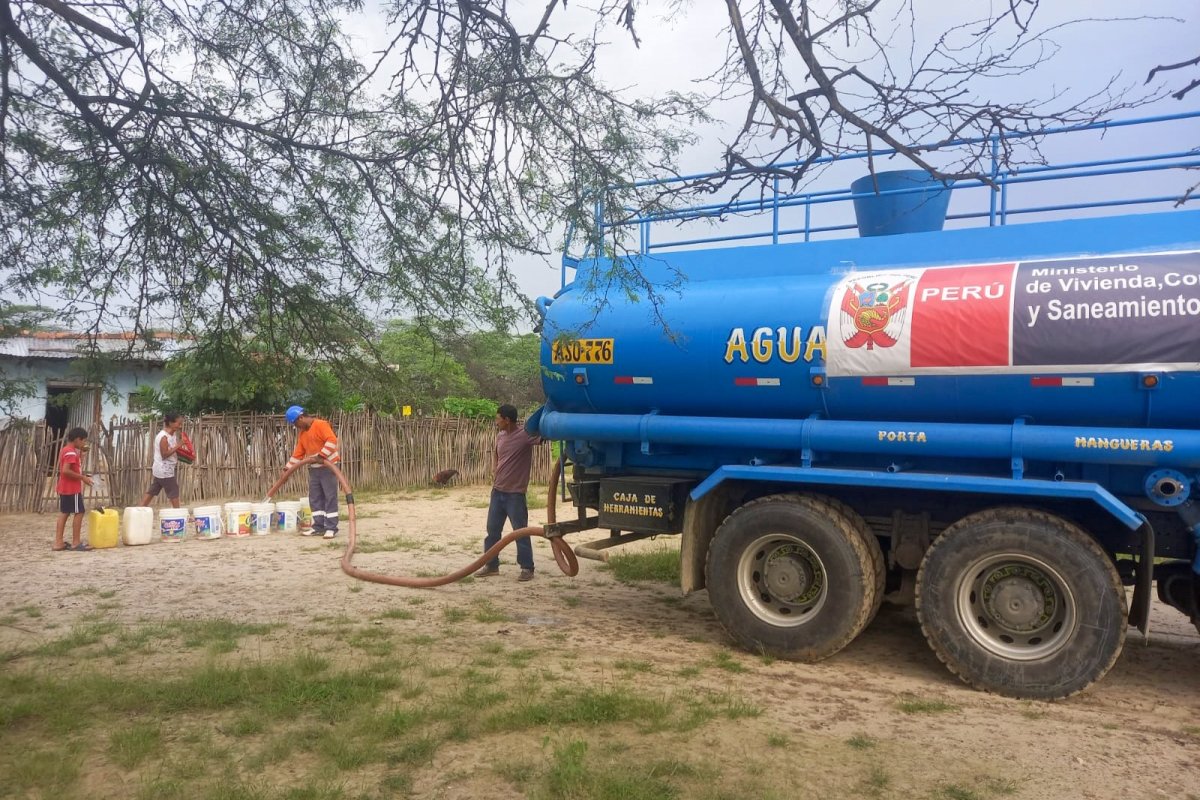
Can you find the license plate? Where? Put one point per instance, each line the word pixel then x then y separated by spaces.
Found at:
pixel 582 351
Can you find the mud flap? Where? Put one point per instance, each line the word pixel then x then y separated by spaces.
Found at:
pixel 1139 609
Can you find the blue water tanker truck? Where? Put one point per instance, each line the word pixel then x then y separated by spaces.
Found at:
pixel 993 417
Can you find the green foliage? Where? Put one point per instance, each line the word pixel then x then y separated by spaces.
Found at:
pixel 660 564
pixel 475 408
pixel 15 318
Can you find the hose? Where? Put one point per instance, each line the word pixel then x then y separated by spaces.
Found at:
pixel 563 555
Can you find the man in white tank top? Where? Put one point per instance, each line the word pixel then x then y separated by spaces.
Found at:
pixel 166 444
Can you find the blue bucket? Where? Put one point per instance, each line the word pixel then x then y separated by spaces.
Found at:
pixel 907 212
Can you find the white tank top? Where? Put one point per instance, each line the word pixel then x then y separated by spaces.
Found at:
pixel 164 467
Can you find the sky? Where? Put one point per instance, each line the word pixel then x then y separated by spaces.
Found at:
pixel 679 47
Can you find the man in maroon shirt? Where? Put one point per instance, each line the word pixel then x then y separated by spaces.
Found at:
pixel 511 462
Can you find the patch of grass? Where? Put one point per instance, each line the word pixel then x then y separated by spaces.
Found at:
pixel 388 545
pixel 453 615
pixel 218 635
pixel 33 612
pixel 1191 730
pixel 80 636
pixel 725 660
pixel 131 746
pixel 416 601
pixel 633 666
pixel 106 595
pixel 1031 711
pixel 689 672
pixel 416 751
pixel 876 781
pixel 955 792
pixel 1002 786
pixel 535 499
pixel 861 742
pixel 83 590
pixel 484 611
pixel 246 725
pixel 766 658
pixel 520 658
pixel 397 613
pixel 917 705
pixel 569 706
pixel 51 771
pixel 652 565
pixel 570 775
pixel 572 601
pixel 375 641
pixel 356 588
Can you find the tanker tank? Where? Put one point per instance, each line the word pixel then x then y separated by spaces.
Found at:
pixel 1057 322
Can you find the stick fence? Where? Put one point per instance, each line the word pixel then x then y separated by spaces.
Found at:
pixel 239 456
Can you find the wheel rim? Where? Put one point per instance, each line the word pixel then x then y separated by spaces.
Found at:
pixel 782 580
pixel 1016 606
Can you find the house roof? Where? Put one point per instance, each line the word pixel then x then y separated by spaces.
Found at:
pixel 67 345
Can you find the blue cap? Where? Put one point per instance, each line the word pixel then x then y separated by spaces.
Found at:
pixel 293 414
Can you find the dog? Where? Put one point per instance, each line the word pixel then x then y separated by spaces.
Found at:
pixel 443 478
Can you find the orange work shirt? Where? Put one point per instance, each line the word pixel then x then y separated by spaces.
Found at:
pixel 318 440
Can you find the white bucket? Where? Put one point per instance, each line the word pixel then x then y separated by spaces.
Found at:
pixel 236 522
pixel 287 514
pixel 304 517
pixel 264 513
pixel 172 524
pixel 208 522
pixel 137 525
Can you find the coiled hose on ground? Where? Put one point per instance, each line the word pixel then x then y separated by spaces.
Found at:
pixel 563 554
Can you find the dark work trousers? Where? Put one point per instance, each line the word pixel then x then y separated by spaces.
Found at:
pixel 510 505
pixel 322 496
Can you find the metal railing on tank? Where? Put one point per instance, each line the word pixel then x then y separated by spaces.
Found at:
pixel 999 183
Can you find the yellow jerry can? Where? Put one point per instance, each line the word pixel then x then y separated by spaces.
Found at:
pixel 104 527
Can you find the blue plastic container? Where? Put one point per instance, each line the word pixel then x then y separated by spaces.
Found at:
pixel 898 208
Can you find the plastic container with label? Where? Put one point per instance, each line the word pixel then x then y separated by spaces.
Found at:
pixel 208 522
pixel 304 518
pixel 287 515
pixel 236 522
pixel 172 524
pixel 264 515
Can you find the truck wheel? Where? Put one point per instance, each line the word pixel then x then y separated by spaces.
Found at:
pixel 1021 603
pixel 794 576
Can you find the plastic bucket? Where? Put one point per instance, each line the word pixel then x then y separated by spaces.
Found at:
pixel 236 522
pixel 304 518
pixel 264 514
pixel 208 522
pixel 172 524
pixel 287 515
pixel 920 204
pixel 137 525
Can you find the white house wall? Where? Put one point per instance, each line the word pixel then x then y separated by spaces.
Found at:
pixel 123 384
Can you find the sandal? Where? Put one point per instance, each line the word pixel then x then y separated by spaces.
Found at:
pixel 61 549
pixel 83 547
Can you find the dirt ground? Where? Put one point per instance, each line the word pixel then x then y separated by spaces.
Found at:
pixel 1134 735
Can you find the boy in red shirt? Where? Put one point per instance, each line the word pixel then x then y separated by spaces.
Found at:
pixel 70 491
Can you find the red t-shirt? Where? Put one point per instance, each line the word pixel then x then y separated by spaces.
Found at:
pixel 69 455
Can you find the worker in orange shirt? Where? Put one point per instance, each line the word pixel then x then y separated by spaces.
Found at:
pixel 317 439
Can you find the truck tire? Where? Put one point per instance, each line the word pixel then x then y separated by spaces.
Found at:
pixel 794 576
pixel 1021 603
